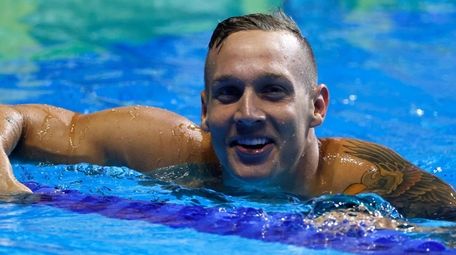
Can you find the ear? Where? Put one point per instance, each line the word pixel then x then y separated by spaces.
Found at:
pixel 204 125
pixel 321 103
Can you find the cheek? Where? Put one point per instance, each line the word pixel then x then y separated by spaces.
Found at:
pixel 292 127
pixel 218 124
pixel 218 120
pixel 288 120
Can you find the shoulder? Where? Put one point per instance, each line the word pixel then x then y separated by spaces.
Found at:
pixel 142 122
pixel 345 163
pixel 144 113
pixel 349 145
pixel 368 152
pixel 370 167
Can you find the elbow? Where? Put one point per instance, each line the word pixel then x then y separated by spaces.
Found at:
pixel 12 125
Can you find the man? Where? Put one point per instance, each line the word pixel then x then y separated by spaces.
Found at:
pixel 261 103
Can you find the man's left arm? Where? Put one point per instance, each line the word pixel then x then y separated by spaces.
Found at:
pixel 414 192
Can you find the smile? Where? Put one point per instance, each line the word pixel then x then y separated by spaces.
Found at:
pixel 252 149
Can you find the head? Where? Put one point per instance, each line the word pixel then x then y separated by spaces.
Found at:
pixel 261 99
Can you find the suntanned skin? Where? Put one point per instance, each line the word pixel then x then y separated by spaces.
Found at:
pixel 255 91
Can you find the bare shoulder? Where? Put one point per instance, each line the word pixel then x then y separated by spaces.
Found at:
pixel 142 121
pixel 143 113
pixel 147 137
pixel 375 168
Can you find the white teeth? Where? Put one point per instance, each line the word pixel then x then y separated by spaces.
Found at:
pixel 252 141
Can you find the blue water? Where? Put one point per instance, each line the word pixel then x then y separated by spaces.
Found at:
pixel 389 67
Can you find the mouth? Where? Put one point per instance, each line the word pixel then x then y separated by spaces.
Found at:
pixel 252 145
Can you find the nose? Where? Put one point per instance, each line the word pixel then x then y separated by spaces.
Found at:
pixel 249 115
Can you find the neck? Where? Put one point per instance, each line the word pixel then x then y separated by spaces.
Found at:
pixel 306 174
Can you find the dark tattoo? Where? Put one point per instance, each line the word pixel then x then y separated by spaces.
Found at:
pixel 414 192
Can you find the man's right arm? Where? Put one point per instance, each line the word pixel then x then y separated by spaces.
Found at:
pixel 11 124
pixel 143 138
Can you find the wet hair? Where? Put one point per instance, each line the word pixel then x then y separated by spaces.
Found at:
pixel 277 21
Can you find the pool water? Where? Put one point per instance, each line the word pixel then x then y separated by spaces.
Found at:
pixel 390 69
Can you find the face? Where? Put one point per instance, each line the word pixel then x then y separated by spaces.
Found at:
pixel 258 109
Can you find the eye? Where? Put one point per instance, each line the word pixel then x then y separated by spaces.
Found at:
pixel 228 94
pixel 274 92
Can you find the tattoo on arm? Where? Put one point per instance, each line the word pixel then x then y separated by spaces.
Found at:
pixel 414 192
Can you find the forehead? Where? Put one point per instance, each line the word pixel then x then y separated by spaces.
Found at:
pixel 254 38
pixel 255 51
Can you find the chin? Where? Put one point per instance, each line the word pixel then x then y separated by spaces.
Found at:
pixel 251 168
pixel 253 174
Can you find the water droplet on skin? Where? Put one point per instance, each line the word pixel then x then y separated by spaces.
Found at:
pixel 73 146
pixel 84 132
pixel 133 114
pixel 192 127
pixel 45 126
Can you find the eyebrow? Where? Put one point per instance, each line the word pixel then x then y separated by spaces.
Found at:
pixel 263 77
pixel 272 76
pixel 226 78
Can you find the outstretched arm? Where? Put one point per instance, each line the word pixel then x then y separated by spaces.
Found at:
pixel 414 192
pixel 143 138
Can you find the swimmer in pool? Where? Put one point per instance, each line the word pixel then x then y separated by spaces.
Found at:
pixel 260 106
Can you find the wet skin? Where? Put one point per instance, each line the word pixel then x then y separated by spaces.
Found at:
pixel 258 122
pixel 260 110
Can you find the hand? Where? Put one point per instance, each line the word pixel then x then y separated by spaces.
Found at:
pixel 11 189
